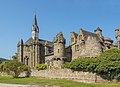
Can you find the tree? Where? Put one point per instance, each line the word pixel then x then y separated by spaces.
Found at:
pixel 14 57
pixel 13 67
pixel 107 65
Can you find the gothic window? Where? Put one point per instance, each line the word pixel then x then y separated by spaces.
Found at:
pixel 26 60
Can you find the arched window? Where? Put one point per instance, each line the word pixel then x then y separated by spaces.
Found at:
pixel 26 60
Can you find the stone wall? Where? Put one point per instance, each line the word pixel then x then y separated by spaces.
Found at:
pixel 91 48
pixel 68 74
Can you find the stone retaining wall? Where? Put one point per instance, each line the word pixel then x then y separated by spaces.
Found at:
pixel 68 74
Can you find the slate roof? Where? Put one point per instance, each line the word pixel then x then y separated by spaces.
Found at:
pixel 41 41
pixel 86 33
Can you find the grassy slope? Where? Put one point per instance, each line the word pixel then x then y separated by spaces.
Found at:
pixel 61 83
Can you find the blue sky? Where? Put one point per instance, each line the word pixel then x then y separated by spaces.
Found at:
pixel 53 16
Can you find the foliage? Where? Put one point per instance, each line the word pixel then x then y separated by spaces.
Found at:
pixel 14 57
pixel 13 68
pixel 107 64
pixel 50 82
pixel 41 67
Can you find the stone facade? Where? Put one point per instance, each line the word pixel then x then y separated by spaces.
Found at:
pixel 87 44
pixel 33 51
pixel 84 44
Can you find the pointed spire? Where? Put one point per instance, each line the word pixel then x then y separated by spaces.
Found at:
pixel 35 19
pixel 35 28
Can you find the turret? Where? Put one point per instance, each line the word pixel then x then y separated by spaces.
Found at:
pixel 116 32
pixel 117 37
pixel 59 45
pixel 20 50
pixel 98 31
pixel 35 29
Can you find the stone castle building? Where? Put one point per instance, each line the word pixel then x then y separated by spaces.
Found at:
pixel 54 53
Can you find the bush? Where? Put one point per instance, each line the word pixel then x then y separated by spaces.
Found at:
pixel 107 64
pixel 41 67
pixel 81 64
pixel 13 68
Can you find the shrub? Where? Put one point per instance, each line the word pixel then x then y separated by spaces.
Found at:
pixel 107 64
pixel 13 68
pixel 41 67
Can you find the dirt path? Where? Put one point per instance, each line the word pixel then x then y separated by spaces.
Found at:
pixel 16 85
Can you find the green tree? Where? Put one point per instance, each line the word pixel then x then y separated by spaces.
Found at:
pixel 107 65
pixel 13 67
pixel 14 57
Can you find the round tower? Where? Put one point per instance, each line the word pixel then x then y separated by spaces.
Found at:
pixel 59 45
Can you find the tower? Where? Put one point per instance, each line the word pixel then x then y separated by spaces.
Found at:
pixel 35 29
pixel 98 31
pixel 59 51
pixel 59 45
pixel 117 37
pixel 20 50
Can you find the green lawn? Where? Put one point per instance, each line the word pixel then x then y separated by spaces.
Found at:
pixel 61 83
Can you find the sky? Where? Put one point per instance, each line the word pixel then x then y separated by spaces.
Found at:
pixel 53 16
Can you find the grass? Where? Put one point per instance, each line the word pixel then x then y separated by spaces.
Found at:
pixel 61 83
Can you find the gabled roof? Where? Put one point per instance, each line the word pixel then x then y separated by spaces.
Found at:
pixel 75 34
pixel 41 41
pixel 86 34
pixel 29 41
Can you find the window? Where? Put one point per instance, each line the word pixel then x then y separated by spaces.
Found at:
pixel 72 39
pixel 58 50
pixel 76 47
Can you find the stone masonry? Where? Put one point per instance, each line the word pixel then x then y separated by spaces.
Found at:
pixel 54 53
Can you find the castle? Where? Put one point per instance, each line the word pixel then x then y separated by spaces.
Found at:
pixel 82 44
